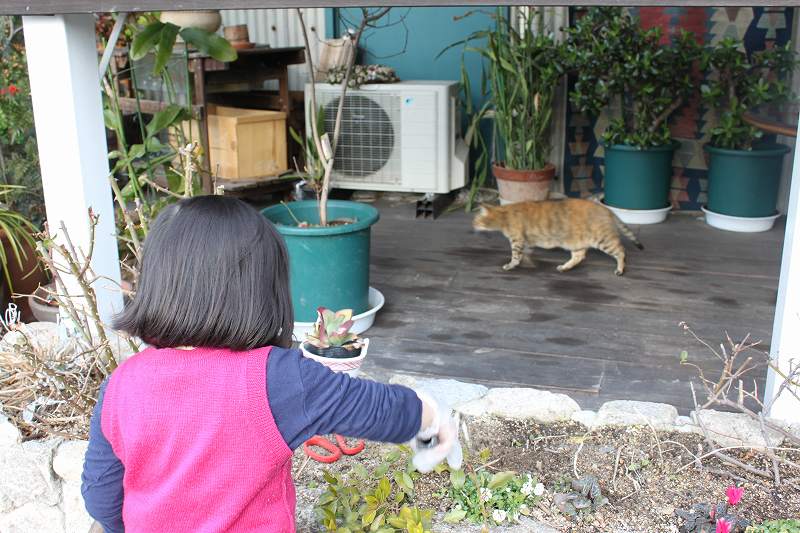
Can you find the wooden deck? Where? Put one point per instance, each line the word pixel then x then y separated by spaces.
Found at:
pixel 452 312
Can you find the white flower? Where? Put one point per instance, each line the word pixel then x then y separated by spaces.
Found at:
pixel 527 488
pixel 485 494
pixel 538 490
pixel 498 515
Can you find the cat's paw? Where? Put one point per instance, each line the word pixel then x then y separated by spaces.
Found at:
pixel 561 268
pixel 509 266
pixel 619 272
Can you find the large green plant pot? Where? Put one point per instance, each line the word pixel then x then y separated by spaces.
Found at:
pixel 744 183
pixel 638 178
pixel 328 267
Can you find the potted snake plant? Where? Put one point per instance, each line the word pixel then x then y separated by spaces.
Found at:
pixel 622 68
pixel 523 72
pixel 333 344
pixel 744 171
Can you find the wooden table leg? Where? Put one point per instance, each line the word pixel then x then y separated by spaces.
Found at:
pixel 206 172
pixel 283 88
pixel 286 107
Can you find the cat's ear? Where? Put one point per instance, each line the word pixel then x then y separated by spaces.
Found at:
pixel 483 209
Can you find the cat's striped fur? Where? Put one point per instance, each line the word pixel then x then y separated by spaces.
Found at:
pixel 573 224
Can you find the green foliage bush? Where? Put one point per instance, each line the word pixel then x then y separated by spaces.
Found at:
pixel 739 83
pixel 617 63
pixel 19 158
pixel 482 497
pixel 776 526
pixel 376 501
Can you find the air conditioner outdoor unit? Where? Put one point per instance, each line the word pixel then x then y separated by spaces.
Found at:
pixel 401 136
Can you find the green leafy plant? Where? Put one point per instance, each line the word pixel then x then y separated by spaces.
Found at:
pixel 580 496
pixel 374 501
pixel 333 329
pixel 16 230
pixel 313 169
pixel 517 87
pixel 739 83
pixel 19 157
pixel 719 518
pixel 482 497
pixel 776 526
pixel 159 37
pixel 157 172
pixel 619 65
pixel 104 24
pixel 523 72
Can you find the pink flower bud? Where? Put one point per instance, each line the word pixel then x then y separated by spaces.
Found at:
pixel 734 494
pixel 723 526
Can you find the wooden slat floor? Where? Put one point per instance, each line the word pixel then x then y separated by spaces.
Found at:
pixel 452 312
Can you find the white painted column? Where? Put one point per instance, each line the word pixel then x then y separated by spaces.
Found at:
pixel 68 113
pixel 785 347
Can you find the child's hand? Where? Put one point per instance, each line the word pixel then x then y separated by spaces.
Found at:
pixel 437 439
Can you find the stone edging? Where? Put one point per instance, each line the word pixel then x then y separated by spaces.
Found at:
pixel 40 485
pixel 726 429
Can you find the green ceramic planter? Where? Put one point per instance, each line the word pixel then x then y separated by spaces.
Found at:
pixel 744 183
pixel 328 267
pixel 638 178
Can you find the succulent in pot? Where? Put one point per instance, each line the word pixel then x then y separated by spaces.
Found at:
pixel 333 344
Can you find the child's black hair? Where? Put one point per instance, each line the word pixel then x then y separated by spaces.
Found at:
pixel 214 273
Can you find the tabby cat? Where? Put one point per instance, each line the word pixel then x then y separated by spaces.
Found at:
pixel 573 224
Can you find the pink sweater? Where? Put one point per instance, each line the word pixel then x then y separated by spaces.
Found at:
pixel 200 447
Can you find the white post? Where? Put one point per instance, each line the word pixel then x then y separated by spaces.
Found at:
pixel 785 347
pixel 68 113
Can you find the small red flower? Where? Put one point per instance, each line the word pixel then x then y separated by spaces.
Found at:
pixel 2 92
pixel 712 512
pixel 723 526
pixel 12 90
pixel 734 494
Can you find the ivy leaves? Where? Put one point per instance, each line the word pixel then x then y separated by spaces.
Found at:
pixel 160 37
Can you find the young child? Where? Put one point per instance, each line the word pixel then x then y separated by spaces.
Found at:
pixel 196 432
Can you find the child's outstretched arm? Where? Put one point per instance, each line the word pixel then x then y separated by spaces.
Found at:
pixel 307 399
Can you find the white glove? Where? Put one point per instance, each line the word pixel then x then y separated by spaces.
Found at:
pixel 438 441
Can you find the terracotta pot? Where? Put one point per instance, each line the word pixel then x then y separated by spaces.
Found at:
pixel 237 33
pixel 25 278
pixel 205 19
pixel 523 185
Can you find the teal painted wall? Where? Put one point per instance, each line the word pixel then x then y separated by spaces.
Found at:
pixel 411 38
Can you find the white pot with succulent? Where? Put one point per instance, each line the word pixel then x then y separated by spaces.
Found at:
pixel 333 344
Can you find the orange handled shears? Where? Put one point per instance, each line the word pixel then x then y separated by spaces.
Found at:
pixel 336 450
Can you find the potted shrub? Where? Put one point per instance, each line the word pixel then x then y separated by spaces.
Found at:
pixel 744 171
pixel 21 195
pixel 619 66
pixel 523 73
pixel 333 344
pixel 18 249
pixel 328 241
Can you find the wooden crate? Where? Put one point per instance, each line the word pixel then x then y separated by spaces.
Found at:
pixel 246 143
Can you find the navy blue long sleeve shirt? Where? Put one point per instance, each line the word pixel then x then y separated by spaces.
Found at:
pixel 305 399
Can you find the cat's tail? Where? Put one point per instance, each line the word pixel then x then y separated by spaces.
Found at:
pixel 625 230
